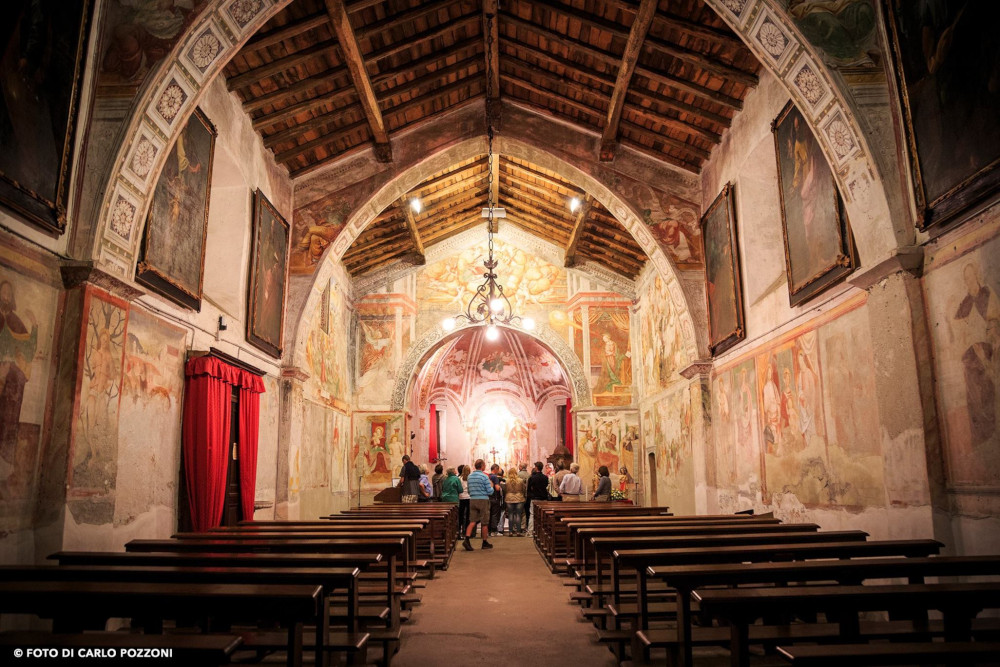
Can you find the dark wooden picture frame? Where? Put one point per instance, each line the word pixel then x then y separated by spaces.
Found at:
pixel 42 59
pixel 173 242
pixel 268 271
pixel 819 251
pixel 953 147
pixel 723 280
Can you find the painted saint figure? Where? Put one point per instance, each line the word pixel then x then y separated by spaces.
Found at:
pixel 17 350
pixel 979 311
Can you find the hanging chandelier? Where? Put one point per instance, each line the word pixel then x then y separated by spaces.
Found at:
pixel 489 306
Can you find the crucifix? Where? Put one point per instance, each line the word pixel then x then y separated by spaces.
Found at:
pixel 494 452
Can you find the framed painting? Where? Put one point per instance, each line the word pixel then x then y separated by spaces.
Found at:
pixel 819 251
pixel 268 276
pixel 41 69
pixel 723 289
pixel 172 256
pixel 943 53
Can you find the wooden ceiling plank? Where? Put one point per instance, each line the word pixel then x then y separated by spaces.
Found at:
pixel 383 80
pixel 624 256
pixel 686 26
pixel 554 79
pixel 399 20
pixel 431 78
pixel 411 226
pixel 469 220
pixel 541 232
pixel 381 243
pixel 436 94
pixel 521 183
pixel 359 76
pixel 653 116
pixel 597 232
pixel 420 38
pixel 702 62
pixel 652 152
pixel 377 260
pixel 444 218
pixel 668 140
pixel 449 232
pixel 574 236
pixel 466 183
pixel 554 181
pixel 332 98
pixel 691 87
pixel 491 44
pixel 360 5
pixel 630 57
pixel 453 202
pixel 280 65
pixel 315 123
pixel 636 97
pixel 285 32
pixel 555 97
pixel 541 218
pixel 576 68
pixel 303 85
pixel 322 140
pixel 510 189
pixel 437 180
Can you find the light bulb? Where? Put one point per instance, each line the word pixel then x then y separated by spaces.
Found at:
pixel 415 205
pixel 448 323
pixel 528 323
pixel 492 333
pixel 574 204
pixel 496 305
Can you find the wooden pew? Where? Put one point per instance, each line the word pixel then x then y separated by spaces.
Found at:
pixel 203 649
pixel 443 518
pixel 958 603
pixel 75 606
pixel 895 653
pixel 685 579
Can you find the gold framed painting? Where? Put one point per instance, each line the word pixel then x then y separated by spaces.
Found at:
pixel 172 255
pixel 723 282
pixel 819 251
pixel 268 277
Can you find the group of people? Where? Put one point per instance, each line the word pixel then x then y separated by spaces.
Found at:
pixel 487 499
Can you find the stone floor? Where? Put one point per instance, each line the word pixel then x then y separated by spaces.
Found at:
pixel 499 607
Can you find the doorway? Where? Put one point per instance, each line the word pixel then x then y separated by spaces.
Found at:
pixel 651 468
pixel 232 510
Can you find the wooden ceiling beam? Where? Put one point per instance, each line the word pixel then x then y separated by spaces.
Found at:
pixel 430 224
pixel 387 241
pixel 466 219
pixel 554 79
pixel 555 96
pixel 323 140
pixel 542 218
pixel 569 257
pixel 373 260
pixel 636 37
pixel 491 49
pixel 359 77
pixel 431 78
pixel 347 114
pixel 510 189
pixel 659 155
pixel 436 58
pixel 654 116
pixel 620 253
pixel 399 20
pixel 689 28
pixel 325 78
pixel 537 230
pixel 598 78
pixel 359 5
pixel 466 183
pixel 691 87
pixel 343 96
pixel 480 161
pixel 667 140
pixel 554 181
pixel 454 201
pixel 637 97
pixel 280 65
pixel 285 32
pixel 420 38
pixel 610 262
pixel 447 233
pixel 437 94
pixel 411 226
pixel 596 232
pixel 515 179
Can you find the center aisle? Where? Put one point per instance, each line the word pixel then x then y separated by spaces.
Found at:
pixel 499 606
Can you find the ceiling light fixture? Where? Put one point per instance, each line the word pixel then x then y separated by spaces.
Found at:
pixel 489 305
pixel 574 204
pixel 415 205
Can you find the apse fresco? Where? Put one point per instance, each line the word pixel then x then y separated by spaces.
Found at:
pixel 500 431
pixel 776 423
pixel 377 449
pixel 963 300
pixel 662 350
pixel 607 438
pixel 326 351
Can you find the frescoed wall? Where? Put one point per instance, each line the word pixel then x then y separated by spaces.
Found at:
pixel 606 438
pixel 601 325
pixel 662 352
pixel 669 432
pixel 376 451
pixel 383 331
pixel 326 349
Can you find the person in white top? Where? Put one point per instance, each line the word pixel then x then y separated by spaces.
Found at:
pixel 463 499
pixel 571 488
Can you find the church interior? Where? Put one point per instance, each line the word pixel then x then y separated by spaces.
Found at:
pixel 743 253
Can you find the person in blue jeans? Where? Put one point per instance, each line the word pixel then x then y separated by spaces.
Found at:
pixel 480 490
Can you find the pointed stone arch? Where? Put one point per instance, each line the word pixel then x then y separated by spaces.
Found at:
pixel 421 350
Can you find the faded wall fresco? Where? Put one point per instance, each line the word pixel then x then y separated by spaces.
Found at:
pixel 962 288
pixel 383 333
pixel 668 430
pixel 324 474
pixel 151 403
pixel 376 450
pixel 27 319
pixel 606 438
pixel 326 349
pixel 662 351
pixel 798 418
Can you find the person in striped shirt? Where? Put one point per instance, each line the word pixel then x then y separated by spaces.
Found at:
pixel 480 490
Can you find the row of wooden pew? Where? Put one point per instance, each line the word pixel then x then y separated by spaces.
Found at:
pixel 330 588
pixel 654 583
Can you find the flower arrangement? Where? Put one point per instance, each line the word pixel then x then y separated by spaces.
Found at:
pixel 618 494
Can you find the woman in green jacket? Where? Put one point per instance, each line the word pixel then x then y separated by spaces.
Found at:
pixel 451 487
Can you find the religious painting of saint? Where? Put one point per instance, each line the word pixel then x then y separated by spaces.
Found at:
pixel 947 67
pixel 723 288
pixel 42 53
pixel 818 247
pixel 172 259
pixel 268 274
pixel 18 343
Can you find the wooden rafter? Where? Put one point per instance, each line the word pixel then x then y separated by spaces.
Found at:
pixel 422 37
pixel 437 180
pixel 344 96
pixel 636 37
pixel 450 202
pixel 359 77
pixel 435 59
pixel 319 142
pixel 554 181
pixel 660 155
pixel 411 225
pixel 690 28
pixel 512 190
pixel 534 228
pixel 327 77
pixel 541 218
pixel 341 117
pixel 491 49
pixel 577 231
pixel 287 31
pixel 398 20
pixel 281 64
pixel 466 183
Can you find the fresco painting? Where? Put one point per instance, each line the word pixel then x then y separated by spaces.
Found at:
pixel 674 223
pixel 610 356
pixel 843 30
pixel 662 350
pixel 601 440
pixel 963 299
pixel 377 361
pixel 27 311
pixel 735 425
pixel 500 431
pixel 377 449
pixel 316 226
pixel 326 350
pixel 669 424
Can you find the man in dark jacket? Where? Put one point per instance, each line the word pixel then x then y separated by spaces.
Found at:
pixel 538 489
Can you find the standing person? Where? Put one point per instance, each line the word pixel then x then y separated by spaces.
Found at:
pixel 496 500
pixel 555 482
pixel 522 471
pixel 436 481
pixel 426 488
pixel 451 487
pixel 514 497
pixel 409 480
pixel 480 490
pixel 603 491
pixel 538 489
pixel 571 487
pixel 463 499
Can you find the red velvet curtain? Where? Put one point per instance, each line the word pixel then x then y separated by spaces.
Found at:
pixel 569 425
pixel 432 444
pixel 205 434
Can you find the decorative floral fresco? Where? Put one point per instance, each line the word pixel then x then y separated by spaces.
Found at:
pixel 326 350
pixel 377 449
pixel 800 416
pixel 963 299
pixel 662 349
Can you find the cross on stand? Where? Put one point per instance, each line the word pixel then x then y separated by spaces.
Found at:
pixel 494 452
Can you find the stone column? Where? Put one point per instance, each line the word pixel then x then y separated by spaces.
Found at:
pixel 702 450
pixel 290 421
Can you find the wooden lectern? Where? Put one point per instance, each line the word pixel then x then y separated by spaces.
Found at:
pixel 392 494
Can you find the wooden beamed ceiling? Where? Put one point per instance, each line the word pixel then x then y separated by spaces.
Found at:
pixel 536 200
pixel 326 78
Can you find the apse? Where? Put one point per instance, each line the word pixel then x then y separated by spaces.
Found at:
pixel 503 401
